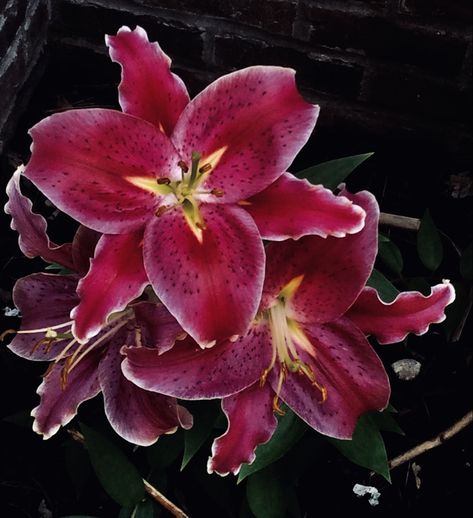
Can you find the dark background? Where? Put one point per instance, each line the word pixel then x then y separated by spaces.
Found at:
pixel 391 76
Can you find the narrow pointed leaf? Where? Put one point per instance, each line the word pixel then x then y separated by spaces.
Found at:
pixel 266 495
pixel 391 256
pixel 386 289
pixel 200 431
pixel 429 243
pixel 118 476
pixel 332 173
pixel 386 422
pixel 366 447
pixel 290 429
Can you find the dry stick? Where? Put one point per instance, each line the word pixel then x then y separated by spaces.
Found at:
pixel 394 220
pixel 151 490
pixel 433 443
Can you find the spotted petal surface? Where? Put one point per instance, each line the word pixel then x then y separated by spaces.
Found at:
pixel 410 312
pixel 257 116
pixel 211 287
pixel 347 366
pixel 292 208
pixel 148 90
pixel 83 160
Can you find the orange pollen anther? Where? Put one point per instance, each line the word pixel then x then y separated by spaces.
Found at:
pixel 205 168
pixel 183 166
pixel 217 192
pixel 163 181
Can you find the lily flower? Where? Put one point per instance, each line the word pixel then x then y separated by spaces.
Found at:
pixel 79 371
pixel 307 346
pixel 191 186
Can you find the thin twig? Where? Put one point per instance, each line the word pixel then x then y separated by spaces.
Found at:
pixel 394 220
pixel 432 443
pixel 151 490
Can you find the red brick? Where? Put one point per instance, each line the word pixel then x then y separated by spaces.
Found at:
pixel 333 77
pixel 385 39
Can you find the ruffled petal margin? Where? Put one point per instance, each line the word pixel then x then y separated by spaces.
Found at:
pixel 292 208
pixel 116 277
pixel 410 312
pixel 251 422
pixel 148 90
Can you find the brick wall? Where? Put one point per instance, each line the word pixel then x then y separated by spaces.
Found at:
pixel 23 29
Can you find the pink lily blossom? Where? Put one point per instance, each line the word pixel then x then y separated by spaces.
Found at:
pixel 307 346
pixel 78 372
pixel 186 188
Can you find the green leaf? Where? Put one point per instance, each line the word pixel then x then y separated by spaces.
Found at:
pixel 118 476
pixel 59 268
pixel 429 243
pixel 266 495
pixel 164 452
pixel 146 509
pixel 332 173
pixel 466 263
pixel 77 466
pixel 386 422
pixel 385 288
pixel 290 429
pixel 366 447
pixel 391 256
pixel 200 431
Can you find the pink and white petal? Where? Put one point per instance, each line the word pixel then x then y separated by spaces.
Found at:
pixel 44 300
pixel 251 422
pixel 85 162
pixel 188 372
pixel 115 278
pixel 148 90
pixel 257 118
pixel 32 228
pixel 83 248
pixel 351 372
pixel 292 208
pixel 59 402
pixel 334 270
pixel 410 312
pixel 212 287
pixel 159 329
pixel 135 414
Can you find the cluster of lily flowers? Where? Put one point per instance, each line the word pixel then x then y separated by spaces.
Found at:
pixel 201 268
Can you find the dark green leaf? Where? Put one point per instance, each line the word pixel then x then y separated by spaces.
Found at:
pixel 331 174
pixel 429 243
pixel 59 268
pixel 290 429
pixel 200 431
pixel 366 448
pixel 22 418
pixel 385 288
pixel 466 263
pixel 118 476
pixel 77 466
pixel 166 450
pixel 266 495
pixel 386 422
pixel 391 256
pixel 146 509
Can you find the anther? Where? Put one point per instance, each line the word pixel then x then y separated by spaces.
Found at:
pixel 205 168
pixel 7 332
pixel 183 166
pixel 162 210
pixel 217 192
pixel 163 181
pixel 200 225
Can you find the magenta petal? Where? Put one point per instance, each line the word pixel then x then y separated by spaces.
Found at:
pixel 31 227
pixel 212 287
pixel 258 116
pixel 410 312
pixel 159 329
pixel 81 160
pixel 83 248
pixel 137 415
pixel 347 366
pixel 44 300
pixel 335 270
pixel 59 404
pixel 116 277
pixel 148 89
pixel 251 422
pixel 188 372
pixel 292 208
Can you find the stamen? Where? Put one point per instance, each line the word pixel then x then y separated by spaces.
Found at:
pixel 163 209
pixel 7 332
pixel 66 349
pixel 44 329
pixel 217 192
pixel 205 168
pixel 282 379
pixel 163 181
pixel 183 166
